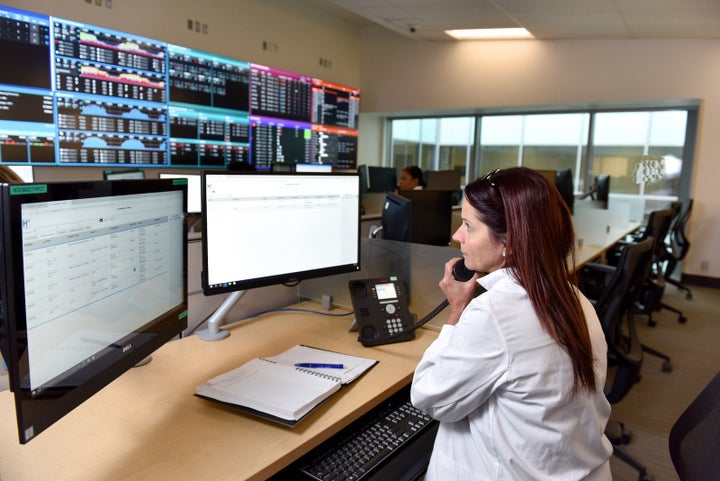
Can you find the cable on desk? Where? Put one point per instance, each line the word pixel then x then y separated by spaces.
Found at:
pixel 277 309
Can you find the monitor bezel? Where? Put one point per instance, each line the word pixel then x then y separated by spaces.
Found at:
pixel 35 413
pixel 287 278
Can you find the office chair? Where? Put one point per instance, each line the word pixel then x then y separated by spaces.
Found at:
pixel 653 286
pixel 619 288
pixel 658 227
pixel 662 228
pixel 677 248
pixel 694 439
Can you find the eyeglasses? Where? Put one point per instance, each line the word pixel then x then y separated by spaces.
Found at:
pixel 489 178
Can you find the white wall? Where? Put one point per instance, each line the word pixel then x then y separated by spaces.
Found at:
pixel 401 75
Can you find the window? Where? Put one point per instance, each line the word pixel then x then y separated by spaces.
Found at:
pixel 444 143
pixel 619 143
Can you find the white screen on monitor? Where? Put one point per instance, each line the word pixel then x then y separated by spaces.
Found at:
pixel 259 226
pixel 313 168
pixel 133 174
pixel 24 171
pixel 116 258
pixel 194 190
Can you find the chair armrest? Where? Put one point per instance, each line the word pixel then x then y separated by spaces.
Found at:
pixel 596 266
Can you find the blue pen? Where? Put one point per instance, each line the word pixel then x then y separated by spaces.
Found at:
pixel 313 365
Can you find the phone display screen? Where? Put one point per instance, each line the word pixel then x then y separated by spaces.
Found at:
pixel 386 291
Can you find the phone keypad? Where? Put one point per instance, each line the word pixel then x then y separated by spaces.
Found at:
pixel 393 325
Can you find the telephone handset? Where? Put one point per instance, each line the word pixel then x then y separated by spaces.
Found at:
pixel 381 309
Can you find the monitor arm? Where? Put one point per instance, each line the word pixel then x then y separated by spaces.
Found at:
pixel 217 319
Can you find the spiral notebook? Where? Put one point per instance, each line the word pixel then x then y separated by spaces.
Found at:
pixel 274 388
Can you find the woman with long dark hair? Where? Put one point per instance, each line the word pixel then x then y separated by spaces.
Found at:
pixel 516 374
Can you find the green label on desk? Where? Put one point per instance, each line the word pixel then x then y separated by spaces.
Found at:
pixel 28 189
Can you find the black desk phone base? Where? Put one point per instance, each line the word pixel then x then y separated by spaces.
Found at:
pixel 381 308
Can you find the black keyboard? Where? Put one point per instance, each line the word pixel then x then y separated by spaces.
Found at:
pixel 364 448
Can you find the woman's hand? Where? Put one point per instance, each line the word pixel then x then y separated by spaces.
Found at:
pixel 459 294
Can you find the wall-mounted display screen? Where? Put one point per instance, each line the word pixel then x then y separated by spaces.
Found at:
pixel 80 95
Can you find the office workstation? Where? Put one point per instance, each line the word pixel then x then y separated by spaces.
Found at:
pixel 148 423
pixel 182 364
pixel 178 364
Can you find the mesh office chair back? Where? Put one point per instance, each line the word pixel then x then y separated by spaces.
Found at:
pixel 615 311
pixel 678 247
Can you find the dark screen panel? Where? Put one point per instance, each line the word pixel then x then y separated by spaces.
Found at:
pixel 24 45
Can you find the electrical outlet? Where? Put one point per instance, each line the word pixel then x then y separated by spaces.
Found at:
pixel 704 266
pixel 269 46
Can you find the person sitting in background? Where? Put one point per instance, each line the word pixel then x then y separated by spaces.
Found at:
pixel 9 176
pixel 411 178
pixel 516 375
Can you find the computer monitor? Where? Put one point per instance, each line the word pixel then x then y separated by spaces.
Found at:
pixel 269 228
pixel 94 279
pixel 396 218
pixel 381 179
pixel 24 171
pixel 431 220
pixel 442 179
pixel 565 184
pixel 194 188
pixel 602 188
pixel 362 170
pixel 124 174
pixel 418 216
pixel 300 167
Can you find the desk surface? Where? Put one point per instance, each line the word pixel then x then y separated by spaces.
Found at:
pixel 148 424
pixel 587 252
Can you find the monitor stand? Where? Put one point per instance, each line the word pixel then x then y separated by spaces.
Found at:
pixel 144 361
pixel 217 319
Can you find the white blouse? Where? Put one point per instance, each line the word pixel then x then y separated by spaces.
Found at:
pixel 501 389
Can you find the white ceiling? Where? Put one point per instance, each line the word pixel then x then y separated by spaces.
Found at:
pixel 545 19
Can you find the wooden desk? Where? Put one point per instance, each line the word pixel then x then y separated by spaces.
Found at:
pixel 148 425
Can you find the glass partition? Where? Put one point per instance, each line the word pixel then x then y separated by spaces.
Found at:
pixel 420 268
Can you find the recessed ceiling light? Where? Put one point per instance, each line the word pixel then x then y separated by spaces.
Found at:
pixel 489 33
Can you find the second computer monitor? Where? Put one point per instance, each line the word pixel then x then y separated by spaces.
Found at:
pixel 381 179
pixel 265 228
pixel 442 179
pixel 418 216
pixel 194 205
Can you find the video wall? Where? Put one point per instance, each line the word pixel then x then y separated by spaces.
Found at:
pixel 75 94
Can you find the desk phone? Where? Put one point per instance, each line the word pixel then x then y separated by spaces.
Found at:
pixel 381 310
